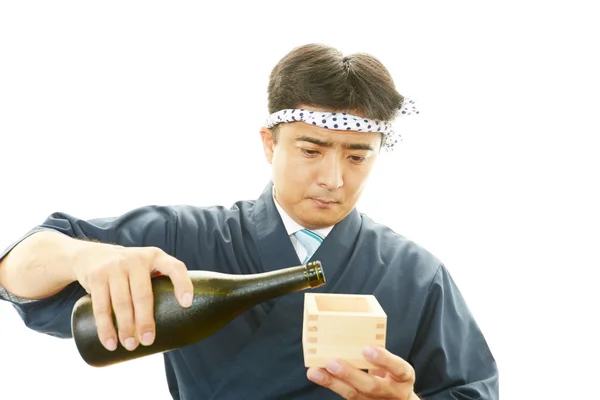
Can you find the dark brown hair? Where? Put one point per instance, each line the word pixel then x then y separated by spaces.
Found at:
pixel 320 76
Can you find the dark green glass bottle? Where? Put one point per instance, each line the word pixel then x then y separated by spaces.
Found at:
pixel 218 298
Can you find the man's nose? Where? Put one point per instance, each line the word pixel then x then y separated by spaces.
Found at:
pixel 330 172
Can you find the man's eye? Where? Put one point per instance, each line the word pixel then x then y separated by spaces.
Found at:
pixel 358 159
pixel 310 152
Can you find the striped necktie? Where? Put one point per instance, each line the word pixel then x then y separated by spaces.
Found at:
pixel 311 241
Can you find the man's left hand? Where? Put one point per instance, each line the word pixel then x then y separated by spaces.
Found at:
pixel 394 378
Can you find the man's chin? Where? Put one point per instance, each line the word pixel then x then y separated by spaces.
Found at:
pixel 318 218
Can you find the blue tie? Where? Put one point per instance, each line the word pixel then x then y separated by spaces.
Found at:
pixel 311 241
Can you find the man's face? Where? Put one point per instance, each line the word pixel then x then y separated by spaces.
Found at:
pixel 318 173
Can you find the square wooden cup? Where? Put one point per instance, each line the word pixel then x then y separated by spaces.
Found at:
pixel 340 326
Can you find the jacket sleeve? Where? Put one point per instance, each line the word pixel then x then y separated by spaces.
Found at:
pixel 147 226
pixel 450 355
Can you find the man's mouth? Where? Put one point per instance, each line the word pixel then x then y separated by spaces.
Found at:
pixel 324 202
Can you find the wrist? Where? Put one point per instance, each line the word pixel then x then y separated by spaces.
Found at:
pixel 82 254
pixel 61 255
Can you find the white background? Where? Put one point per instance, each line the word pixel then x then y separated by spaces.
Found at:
pixel 107 106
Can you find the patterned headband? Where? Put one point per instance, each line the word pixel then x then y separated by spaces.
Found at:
pixel 345 122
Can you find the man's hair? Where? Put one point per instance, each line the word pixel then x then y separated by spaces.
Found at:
pixel 321 76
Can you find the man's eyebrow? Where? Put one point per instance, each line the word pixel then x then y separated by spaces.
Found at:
pixel 324 143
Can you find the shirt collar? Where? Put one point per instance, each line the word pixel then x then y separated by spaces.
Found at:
pixel 292 226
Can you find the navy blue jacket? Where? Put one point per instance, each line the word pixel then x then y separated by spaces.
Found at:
pixel 259 354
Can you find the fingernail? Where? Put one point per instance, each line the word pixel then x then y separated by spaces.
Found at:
pixel 111 344
pixel 370 353
pixel 315 375
pixel 130 343
pixel 186 299
pixel 147 338
pixel 334 367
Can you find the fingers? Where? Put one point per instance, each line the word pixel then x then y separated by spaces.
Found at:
pixel 392 377
pixel 178 273
pixel 324 378
pixel 143 305
pixel 102 309
pixel 123 308
pixel 123 286
pixel 380 372
pixel 397 368
pixel 359 380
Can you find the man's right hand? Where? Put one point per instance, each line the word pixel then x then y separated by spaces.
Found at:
pixel 119 278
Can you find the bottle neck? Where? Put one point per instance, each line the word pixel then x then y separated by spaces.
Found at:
pixel 268 285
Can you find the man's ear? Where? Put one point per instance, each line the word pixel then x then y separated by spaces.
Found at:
pixel 268 143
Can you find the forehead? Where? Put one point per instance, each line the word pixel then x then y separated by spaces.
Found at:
pixel 295 130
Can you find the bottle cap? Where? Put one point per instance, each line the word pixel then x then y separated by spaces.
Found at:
pixel 314 274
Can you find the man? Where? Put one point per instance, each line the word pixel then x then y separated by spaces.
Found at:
pixel 329 117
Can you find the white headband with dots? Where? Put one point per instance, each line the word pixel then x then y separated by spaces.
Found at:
pixel 345 122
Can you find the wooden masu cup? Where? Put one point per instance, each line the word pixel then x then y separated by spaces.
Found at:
pixel 340 326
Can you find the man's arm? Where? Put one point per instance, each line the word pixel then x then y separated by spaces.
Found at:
pixel 450 354
pixel 40 266
pixel 113 259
